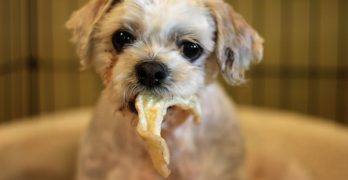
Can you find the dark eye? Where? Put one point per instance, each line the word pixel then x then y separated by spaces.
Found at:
pixel 121 39
pixel 190 50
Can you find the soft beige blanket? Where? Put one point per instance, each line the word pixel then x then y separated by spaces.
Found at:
pixel 279 145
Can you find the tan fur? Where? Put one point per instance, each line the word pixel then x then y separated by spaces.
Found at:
pixel 82 25
pixel 212 150
pixel 238 45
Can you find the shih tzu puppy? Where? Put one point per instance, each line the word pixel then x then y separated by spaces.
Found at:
pixel 158 60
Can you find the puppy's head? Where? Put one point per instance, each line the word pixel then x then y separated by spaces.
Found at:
pixel 166 47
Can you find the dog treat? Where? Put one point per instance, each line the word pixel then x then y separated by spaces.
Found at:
pixel 151 111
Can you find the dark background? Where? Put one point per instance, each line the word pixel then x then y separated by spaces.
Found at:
pixel 305 68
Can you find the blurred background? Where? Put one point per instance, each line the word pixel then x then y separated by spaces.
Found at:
pixel 305 68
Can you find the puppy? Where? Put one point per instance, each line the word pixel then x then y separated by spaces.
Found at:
pixel 168 48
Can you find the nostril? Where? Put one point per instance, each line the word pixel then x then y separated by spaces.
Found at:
pixel 141 73
pixel 161 75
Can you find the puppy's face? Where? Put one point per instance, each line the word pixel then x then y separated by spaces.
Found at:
pixel 159 47
pixel 165 47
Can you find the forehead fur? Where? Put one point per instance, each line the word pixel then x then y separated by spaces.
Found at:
pixel 162 19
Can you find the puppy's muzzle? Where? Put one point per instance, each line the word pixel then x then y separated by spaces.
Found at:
pixel 151 74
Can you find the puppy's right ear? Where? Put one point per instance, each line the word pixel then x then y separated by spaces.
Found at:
pixel 82 25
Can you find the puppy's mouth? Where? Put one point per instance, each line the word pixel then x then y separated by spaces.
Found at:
pixel 158 92
pixel 151 111
pixel 133 109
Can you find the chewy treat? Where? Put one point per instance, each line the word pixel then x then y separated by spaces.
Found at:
pixel 151 111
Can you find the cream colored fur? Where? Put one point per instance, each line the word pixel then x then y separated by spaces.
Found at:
pixel 212 150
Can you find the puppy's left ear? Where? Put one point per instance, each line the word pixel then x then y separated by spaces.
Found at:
pixel 238 45
pixel 82 24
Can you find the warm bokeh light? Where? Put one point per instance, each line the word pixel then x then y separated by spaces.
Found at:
pixel 304 69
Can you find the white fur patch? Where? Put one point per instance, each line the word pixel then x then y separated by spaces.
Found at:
pixel 158 27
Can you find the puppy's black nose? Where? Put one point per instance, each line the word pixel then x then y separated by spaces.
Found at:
pixel 151 74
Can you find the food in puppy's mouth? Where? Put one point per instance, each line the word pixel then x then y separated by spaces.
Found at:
pixel 151 112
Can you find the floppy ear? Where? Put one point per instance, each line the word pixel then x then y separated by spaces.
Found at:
pixel 82 25
pixel 237 44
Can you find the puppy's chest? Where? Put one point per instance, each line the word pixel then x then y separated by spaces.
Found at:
pixel 178 130
pixel 134 159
